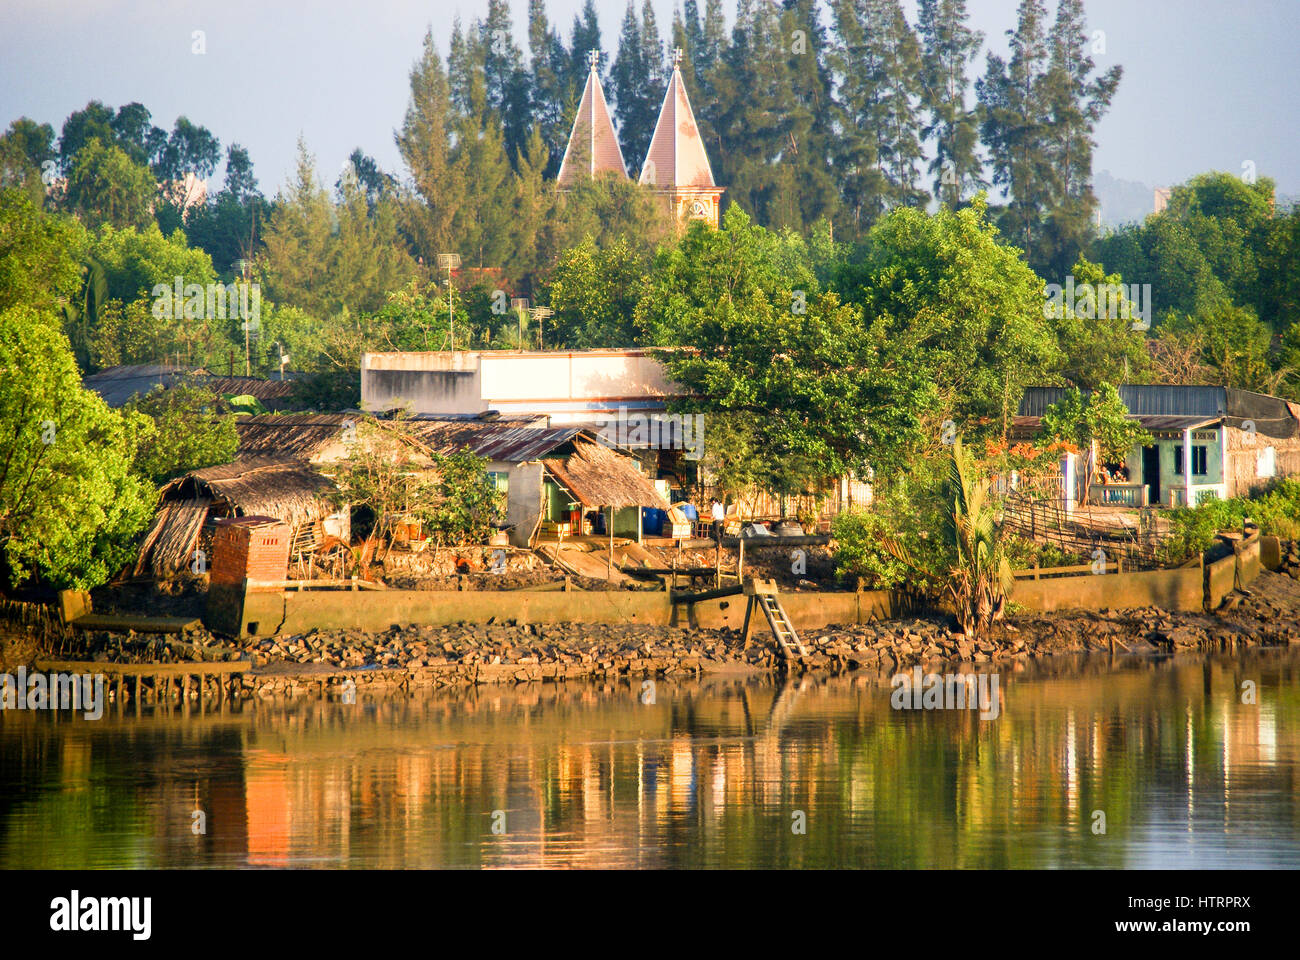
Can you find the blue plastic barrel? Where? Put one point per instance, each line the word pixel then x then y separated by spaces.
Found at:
pixel 652 521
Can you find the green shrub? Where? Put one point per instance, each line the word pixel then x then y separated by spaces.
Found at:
pixel 1276 512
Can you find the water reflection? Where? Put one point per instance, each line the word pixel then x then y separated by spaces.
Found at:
pixel 710 775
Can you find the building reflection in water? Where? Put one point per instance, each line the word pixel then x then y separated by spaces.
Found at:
pixel 709 775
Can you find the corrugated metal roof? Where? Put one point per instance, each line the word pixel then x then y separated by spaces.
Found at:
pixel 1022 423
pixel 117 385
pixel 1178 400
pixel 507 442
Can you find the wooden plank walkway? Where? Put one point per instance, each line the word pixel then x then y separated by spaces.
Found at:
pixel 160 677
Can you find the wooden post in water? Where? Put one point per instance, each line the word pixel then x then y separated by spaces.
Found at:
pixel 740 564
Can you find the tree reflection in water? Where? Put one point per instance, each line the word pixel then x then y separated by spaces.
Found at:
pixel 708 775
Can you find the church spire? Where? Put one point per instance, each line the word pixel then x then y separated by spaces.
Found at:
pixel 677 164
pixel 593 147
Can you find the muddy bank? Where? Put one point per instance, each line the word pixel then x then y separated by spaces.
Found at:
pixel 464 654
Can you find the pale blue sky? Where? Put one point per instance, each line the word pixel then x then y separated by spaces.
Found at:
pixel 1208 83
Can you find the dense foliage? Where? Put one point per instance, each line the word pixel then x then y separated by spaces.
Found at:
pixel 1276 512
pixel 70 502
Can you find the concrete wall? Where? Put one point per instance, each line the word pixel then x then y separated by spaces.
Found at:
pixel 569 386
pixel 422 391
pixel 574 383
pixel 1270 552
pixel 1247 563
pixel 265 613
pixel 1181 589
pixel 1220 578
pixel 292 612
pixel 1239 570
pixel 524 501
pixel 807 611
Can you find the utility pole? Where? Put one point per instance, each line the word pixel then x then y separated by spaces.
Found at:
pixel 540 314
pixel 450 262
pixel 242 267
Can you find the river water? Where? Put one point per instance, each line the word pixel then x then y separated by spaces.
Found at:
pixel 1089 763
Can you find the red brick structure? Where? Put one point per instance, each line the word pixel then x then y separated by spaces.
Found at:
pixel 249 548
pixel 243 549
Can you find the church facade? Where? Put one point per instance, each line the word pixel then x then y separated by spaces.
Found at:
pixel 676 167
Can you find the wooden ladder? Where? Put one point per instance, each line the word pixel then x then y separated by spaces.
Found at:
pixel 763 594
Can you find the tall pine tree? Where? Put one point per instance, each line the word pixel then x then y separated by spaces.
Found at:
pixel 1078 99
pixel 1015 122
pixel 424 142
pixel 638 80
pixel 877 66
pixel 549 63
pixel 948 47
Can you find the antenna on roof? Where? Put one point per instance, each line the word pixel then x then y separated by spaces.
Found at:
pixel 677 57
pixel 593 58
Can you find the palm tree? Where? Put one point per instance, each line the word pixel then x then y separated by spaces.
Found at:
pixel 979 579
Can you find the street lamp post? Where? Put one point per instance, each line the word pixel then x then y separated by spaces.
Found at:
pixel 242 267
pixel 450 262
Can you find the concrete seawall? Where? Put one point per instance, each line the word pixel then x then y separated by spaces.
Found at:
pixel 271 612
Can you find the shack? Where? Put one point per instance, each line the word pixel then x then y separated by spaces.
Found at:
pixel 1208 442
pixel 549 476
pixel 290 491
pixel 594 477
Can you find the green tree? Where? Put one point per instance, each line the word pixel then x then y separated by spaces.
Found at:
pixel 188 431
pixel 1015 118
pixel 322 257
pixel 229 227
pixel 979 579
pixel 1101 420
pixel 70 503
pixel 766 342
pixel 1232 343
pixel 594 293
pixel 107 186
pixel 948 48
pixel 549 80
pixel 39 254
pixel 1096 335
pixel 424 142
pixel 27 157
pixel 137 260
pixel 958 305
pixel 637 81
pixel 1078 100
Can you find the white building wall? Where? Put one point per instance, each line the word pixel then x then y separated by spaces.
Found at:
pixel 567 386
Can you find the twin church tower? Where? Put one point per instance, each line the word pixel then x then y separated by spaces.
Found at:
pixel 676 166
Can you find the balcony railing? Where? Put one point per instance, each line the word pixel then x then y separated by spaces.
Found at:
pixel 1119 494
pixel 1201 493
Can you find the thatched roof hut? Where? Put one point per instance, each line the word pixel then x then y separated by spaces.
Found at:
pixel 599 477
pixel 286 490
